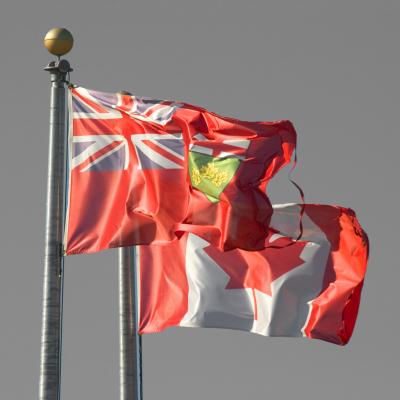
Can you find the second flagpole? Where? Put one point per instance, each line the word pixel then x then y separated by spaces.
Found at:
pixel 130 359
pixel 130 342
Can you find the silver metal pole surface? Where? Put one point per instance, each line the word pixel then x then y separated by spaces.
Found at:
pixel 50 366
pixel 130 360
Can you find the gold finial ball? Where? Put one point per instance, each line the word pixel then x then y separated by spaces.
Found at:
pixel 58 41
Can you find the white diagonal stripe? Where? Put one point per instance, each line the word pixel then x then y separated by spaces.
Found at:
pixel 153 155
pixel 244 144
pixel 110 114
pixel 174 153
pixel 100 141
pixel 201 149
pixel 109 153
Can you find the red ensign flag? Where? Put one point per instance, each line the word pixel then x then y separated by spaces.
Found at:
pixel 145 171
pixel 308 288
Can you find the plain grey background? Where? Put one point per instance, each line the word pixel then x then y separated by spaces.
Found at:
pixel 329 66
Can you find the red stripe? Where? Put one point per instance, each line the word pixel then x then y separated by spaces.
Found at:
pixel 97 108
pixel 334 312
pixel 126 103
pixel 163 286
pixel 98 154
pixel 163 152
pixel 91 126
pixel 154 108
pixel 255 305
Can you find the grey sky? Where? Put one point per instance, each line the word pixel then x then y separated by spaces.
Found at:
pixel 331 67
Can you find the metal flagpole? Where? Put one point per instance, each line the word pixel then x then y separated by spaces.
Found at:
pixel 130 341
pixel 58 42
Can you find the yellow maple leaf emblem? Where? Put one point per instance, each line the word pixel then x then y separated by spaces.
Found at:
pixel 210 172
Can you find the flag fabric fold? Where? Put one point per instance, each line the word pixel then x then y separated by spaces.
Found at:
pixel 306 288
pixel 146 171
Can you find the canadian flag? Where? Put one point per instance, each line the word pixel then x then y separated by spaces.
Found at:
pixel 306 288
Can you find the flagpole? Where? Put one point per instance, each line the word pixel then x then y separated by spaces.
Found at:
pixel 130 341
pixel 58 42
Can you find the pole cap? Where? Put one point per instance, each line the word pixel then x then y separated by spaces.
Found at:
pixel 58 41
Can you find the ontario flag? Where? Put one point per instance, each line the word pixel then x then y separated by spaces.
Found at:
pixel 308 288
pixel 145 171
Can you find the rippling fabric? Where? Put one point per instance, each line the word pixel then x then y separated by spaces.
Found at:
pixel 146 171
pixel 305 288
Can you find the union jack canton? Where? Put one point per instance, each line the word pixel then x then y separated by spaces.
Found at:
pixel 94 150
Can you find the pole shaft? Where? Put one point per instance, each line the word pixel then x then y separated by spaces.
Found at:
pixel 130 340
pixel 49 384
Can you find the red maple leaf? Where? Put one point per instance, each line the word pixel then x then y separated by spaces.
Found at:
pixel 258 269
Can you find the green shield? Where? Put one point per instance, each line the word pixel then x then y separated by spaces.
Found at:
pixel 210 174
